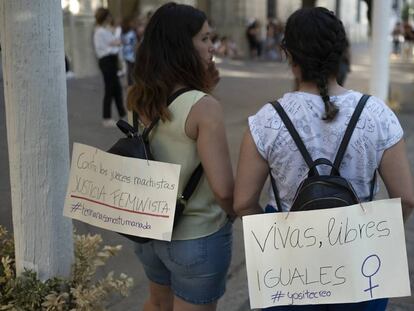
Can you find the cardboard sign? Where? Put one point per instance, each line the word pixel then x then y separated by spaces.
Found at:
pixel 122 194
pixel 338 255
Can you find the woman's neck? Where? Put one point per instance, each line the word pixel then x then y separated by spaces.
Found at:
pixel 310 87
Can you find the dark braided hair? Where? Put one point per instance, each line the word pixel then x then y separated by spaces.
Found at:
pixel 316 40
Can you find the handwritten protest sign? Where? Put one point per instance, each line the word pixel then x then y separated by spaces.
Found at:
pixel 126 195
pixel 335 255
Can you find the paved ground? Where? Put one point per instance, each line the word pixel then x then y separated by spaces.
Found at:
pixel 243 89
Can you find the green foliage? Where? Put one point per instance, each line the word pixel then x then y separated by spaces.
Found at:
pixel 6 250
pixel 27 292
pixel 79 293
pixel 406 12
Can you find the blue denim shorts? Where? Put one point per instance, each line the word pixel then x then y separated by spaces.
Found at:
pixel 195 269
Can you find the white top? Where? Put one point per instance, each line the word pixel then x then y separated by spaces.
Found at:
pixel 377 129
pixel 102 38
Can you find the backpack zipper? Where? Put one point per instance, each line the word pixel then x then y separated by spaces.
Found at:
pixel 321 199
pixel 324 183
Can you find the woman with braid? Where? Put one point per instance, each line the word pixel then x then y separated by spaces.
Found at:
pixel 320 110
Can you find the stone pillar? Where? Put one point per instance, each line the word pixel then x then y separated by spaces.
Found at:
pixel 37 134
pixel 285 8
pixel 380 49
pixel 124 8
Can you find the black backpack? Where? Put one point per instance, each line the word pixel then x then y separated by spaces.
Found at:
pixel 136 145
pixel 322 191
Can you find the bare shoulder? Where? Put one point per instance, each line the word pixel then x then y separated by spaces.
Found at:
pixel 206 102
pixel 205 113
pixel 206 107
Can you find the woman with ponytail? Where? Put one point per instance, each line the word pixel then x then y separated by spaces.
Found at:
pixel 320 111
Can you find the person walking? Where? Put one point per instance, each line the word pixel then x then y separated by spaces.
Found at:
pixel 253 39
pixel 107 46
pixel 129 44
pixel 320 109
pixel 176 55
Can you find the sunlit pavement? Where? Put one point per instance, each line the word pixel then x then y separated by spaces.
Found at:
pixel 243 89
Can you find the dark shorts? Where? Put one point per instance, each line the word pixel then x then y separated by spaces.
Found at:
pixel 372 305
pixel 196 269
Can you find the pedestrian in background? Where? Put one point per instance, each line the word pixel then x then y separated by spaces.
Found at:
pixel 254 39
pixel 188 273
pixel 107 46
pixel 226 47
pixel 408 32
pixel 270 44
pixel 129 44
pixel 397 38
pixel 314 42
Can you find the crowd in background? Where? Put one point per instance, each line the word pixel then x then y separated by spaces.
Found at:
pixel 269 47
pixel 263 47
pixel 263 43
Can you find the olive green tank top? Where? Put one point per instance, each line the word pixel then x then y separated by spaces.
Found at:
pixel 169 143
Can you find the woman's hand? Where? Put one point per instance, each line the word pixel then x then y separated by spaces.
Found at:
pixel 214 75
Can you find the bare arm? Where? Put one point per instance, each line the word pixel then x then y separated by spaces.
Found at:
pixel 395 172
pixel 206 125
pixel 252 171
pixel 115 42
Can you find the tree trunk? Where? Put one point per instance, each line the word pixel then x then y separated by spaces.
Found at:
pixel 380 50
pixel 31 35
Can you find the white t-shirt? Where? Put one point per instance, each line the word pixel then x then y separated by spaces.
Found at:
pixel 377 129
pixel 102 38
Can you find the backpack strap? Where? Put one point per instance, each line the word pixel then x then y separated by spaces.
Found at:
pixel 135 120
pixel 147 130
pixel 372 187
pixel 348 133
pixel 192 183
pixel 327 162
pixel 299 143
pixel 275 191
pixel 295 135
pixel 198 172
